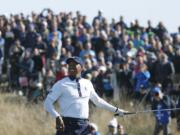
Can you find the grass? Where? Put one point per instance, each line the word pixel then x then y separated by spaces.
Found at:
pixel 20 118
pixel 141 124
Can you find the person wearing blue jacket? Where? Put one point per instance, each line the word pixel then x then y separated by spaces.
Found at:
pixel 159 103
pixel 141 81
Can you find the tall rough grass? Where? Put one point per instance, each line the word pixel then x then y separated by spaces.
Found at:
pixel 17 117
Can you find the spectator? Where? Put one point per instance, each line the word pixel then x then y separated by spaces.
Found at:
pixel 68 45
pixel 42 48
pixel 161 31
pixel 164 69
pixel 38 64
pixel 100 42
pixel 130 50
pixel 40 44
pixel 62 71
pixel 87 52
pixel 95 80
pixel 176 93
pixel 26 65
pixel 122 23
pixel 99 17
pixel 124 76
pixel 141 81
pixel 30 40
pixel 109 52
pixel 53 50
pixel 138 63
pixel 14 60
pixel 107 81
pixel 44 31
pixel 150 28
pixel 54 33
pixel 159 103
pixel 176 62
pixel 9 39
pixel 87 67
pixel 93 129
pixel 22 33
pixel 135 26
pixel 2 43
pixel 99 80
pixel 138 42
pixel 112 127
pixel 115 40
pixel 177 41
pixel 121 130
pixel 151 63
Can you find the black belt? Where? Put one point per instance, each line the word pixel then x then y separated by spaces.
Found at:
pixel 70 119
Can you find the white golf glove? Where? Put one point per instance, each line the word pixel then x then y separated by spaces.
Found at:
pixel 120 112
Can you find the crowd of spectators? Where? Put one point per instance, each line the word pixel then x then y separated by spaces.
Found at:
pixel 36 46
pixel 117 56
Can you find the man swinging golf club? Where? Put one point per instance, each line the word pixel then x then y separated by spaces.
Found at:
pixel 73 94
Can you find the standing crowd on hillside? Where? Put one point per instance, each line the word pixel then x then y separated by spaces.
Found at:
pixel 118 57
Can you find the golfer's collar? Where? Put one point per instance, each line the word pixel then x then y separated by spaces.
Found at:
pixel 72 78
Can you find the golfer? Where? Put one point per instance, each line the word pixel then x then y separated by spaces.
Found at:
pixel 73 94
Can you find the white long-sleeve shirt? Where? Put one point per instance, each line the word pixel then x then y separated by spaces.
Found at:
pixel 65 92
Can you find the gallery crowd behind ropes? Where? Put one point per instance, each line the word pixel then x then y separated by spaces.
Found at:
pixel 119 58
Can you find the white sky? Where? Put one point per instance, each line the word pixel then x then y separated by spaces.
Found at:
pixel 155 10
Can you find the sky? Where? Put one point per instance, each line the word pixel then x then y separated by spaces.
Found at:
pixel 143 10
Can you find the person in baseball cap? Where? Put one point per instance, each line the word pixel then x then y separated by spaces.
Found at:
pixel 73 94
pixel 76 59
pixel 157 92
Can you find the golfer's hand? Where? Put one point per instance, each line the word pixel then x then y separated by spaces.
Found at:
pixel 60 124
pixel 121 112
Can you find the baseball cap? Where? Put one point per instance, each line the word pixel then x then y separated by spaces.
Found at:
pixel 75 59
pixel 157 92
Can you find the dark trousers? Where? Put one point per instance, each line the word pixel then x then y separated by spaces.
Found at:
pixel 178 120
pixel 162 127
pixel 75 126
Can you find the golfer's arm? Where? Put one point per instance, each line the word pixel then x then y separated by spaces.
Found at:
pixel 51 98
pixel 99 102
pixel 49 107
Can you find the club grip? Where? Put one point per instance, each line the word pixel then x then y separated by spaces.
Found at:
pixel 127 113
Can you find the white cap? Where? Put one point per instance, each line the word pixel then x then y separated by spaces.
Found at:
pixel 113 123
pixel 102 68
pixel 94 126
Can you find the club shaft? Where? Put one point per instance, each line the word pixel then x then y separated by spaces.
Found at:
pixel 148 111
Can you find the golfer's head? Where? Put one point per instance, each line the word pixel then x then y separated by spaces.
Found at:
pixel 75 65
